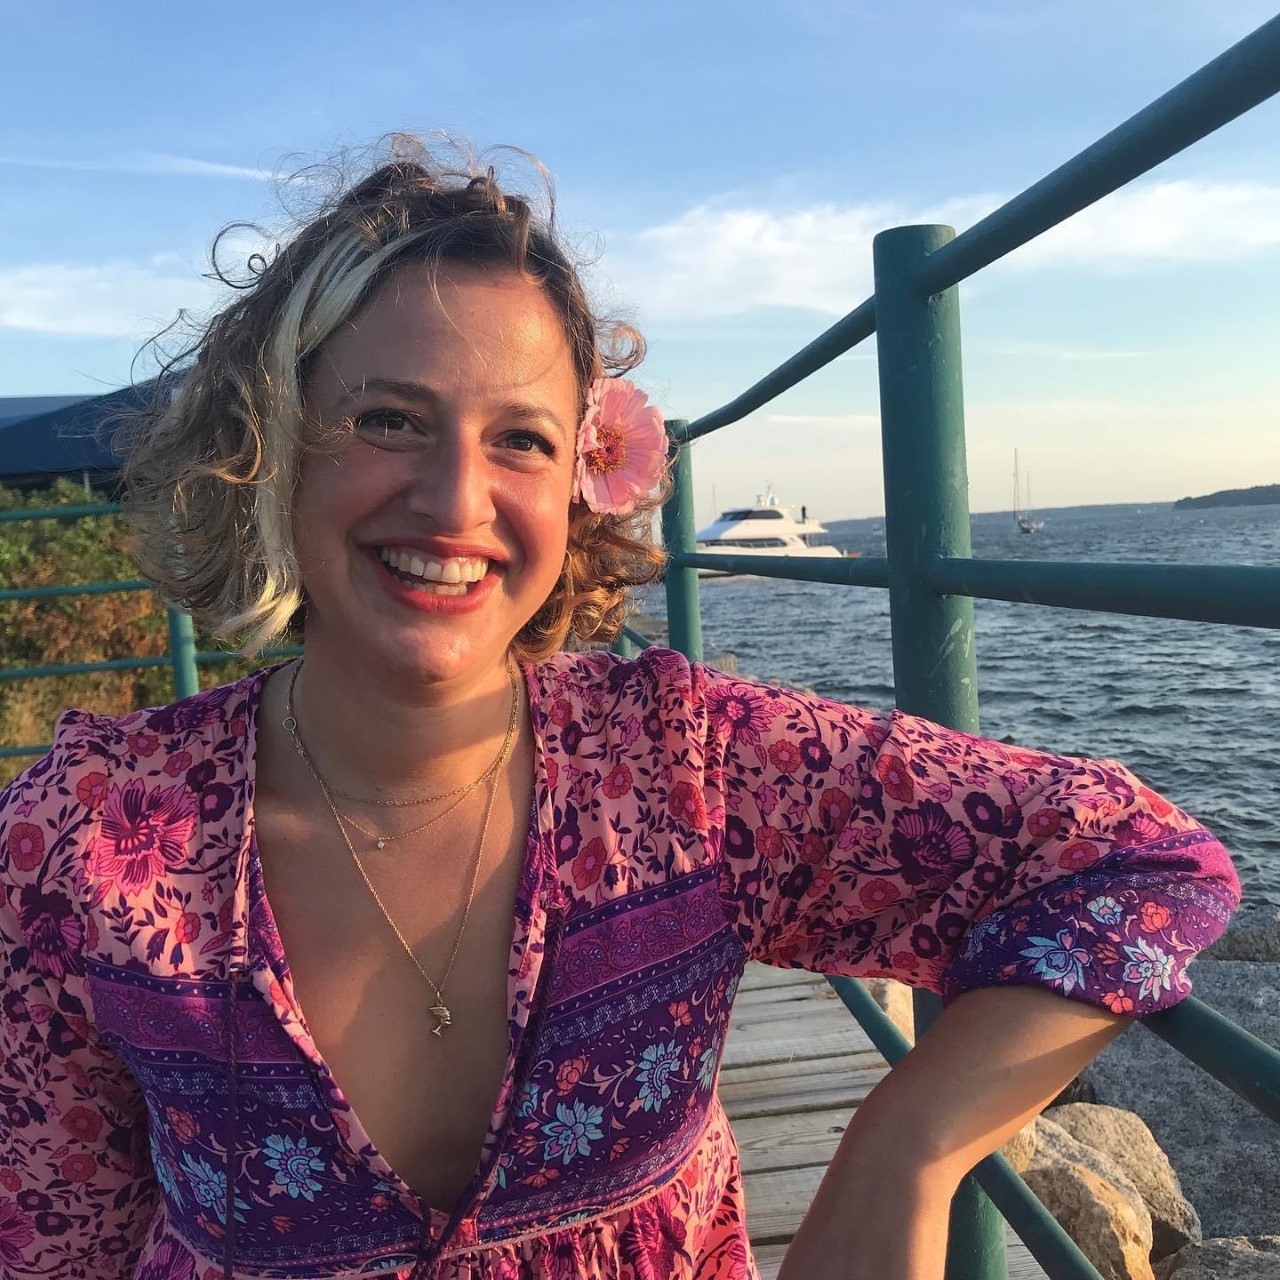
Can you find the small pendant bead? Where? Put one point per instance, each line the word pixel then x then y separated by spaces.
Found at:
pixel 382 844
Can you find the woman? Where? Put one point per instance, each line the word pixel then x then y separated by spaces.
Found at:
pixel 515 886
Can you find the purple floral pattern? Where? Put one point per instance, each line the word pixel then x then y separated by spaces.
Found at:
pixel 685 821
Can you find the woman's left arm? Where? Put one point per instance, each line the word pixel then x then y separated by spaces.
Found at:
pixel 993 1060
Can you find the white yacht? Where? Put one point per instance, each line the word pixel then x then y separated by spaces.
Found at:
pixel 766 529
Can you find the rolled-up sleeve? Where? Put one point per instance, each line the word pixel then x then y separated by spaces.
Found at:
pixel 868 844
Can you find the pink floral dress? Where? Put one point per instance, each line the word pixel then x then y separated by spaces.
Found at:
pixel 166 1115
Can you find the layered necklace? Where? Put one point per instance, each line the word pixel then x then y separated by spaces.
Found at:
pixel 439 1010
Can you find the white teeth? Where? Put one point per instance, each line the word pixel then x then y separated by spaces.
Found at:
pixel 449 577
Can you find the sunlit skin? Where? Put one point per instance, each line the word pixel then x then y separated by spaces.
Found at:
pixel 457 408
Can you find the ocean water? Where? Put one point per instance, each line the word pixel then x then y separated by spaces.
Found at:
pixel 1192 708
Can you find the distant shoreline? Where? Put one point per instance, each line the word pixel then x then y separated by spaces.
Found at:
pixel 1260 495
pixel 1161 504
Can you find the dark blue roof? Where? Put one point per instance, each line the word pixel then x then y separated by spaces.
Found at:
pixel 13 407
pixel 67 439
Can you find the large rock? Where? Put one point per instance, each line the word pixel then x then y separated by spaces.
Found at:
pixel 1020 1150
pixel 1128 1141
pixel 1233 1258
pixel 895 999
pixel 1094 1201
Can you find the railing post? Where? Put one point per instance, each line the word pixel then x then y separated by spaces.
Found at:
pixel 182 652
pixel 679 534
pixel 927 515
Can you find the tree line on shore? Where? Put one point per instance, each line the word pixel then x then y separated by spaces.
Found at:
pixel 1260 495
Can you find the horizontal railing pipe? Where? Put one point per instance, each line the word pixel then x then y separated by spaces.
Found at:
pixel 81 589
pixel 854 571
pixel 1242 595
pixel 62 513
pixel 1234 82
pixel 35 749
pixel 845 334
pixel 80 668
pixel 1249 1067
pixel 203 658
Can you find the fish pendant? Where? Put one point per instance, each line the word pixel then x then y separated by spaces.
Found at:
pixel 442 1016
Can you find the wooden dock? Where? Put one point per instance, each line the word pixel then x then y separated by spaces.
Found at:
pixel 796 1065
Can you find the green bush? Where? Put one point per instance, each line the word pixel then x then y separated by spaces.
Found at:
pixel 68 629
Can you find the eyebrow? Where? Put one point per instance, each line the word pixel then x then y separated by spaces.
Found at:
pixel 421 392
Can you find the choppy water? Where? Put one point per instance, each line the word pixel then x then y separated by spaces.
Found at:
pixel 1193 709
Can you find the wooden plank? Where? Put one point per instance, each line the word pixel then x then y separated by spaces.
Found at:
pixel 765 1030
pixel 791 992
pixel 756 975
pixel 814 1084
pixel 747 1051
pixel 790 1141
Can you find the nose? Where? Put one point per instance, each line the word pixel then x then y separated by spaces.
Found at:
pixel 452 485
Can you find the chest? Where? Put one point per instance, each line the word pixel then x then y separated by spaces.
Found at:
pixel 424 1099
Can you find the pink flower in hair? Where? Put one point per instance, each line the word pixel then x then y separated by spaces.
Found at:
pixel 622 447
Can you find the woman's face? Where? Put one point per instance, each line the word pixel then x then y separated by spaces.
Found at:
pixel 437 527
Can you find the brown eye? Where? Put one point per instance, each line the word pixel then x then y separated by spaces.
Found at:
pixel 530 442
pixel 385 426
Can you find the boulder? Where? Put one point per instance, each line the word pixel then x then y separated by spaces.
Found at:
pixel 1229 1258
pixel 1093 1200
pixel 1127 1140
pixel 895 999
pixel 1020 1150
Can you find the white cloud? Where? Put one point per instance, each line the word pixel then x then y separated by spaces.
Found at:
pixel 150 163
pixel 1164 223
pixel 130 298
pixel 720 260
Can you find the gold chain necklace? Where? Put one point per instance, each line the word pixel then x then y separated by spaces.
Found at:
pixel 291 727
pixel 381 841
pixel 440 1010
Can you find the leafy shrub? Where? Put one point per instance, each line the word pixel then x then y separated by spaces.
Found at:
pixel 72 629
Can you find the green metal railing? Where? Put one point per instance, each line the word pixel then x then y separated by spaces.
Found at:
pixel 932 579
pixel 183 657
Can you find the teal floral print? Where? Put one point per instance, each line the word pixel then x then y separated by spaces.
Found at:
pixel 1151 968
pixel 1059 960
pixel 572 1132
pixel 658 1063
pixel 1104 910
pixel 294 1162
pixel 208 1187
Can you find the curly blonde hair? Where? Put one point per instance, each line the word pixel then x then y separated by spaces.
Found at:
pixel 212 466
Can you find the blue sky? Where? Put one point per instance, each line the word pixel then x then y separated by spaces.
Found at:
pixel 729 164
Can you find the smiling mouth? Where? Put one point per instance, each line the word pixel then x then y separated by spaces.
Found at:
pixel 452 577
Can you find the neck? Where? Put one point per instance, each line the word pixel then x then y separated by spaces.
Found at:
pixel 380 738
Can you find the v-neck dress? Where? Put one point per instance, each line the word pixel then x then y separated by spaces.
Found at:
pixel 166 1115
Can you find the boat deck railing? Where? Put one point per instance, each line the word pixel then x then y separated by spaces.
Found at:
pixel 928 570
pixel 932 578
